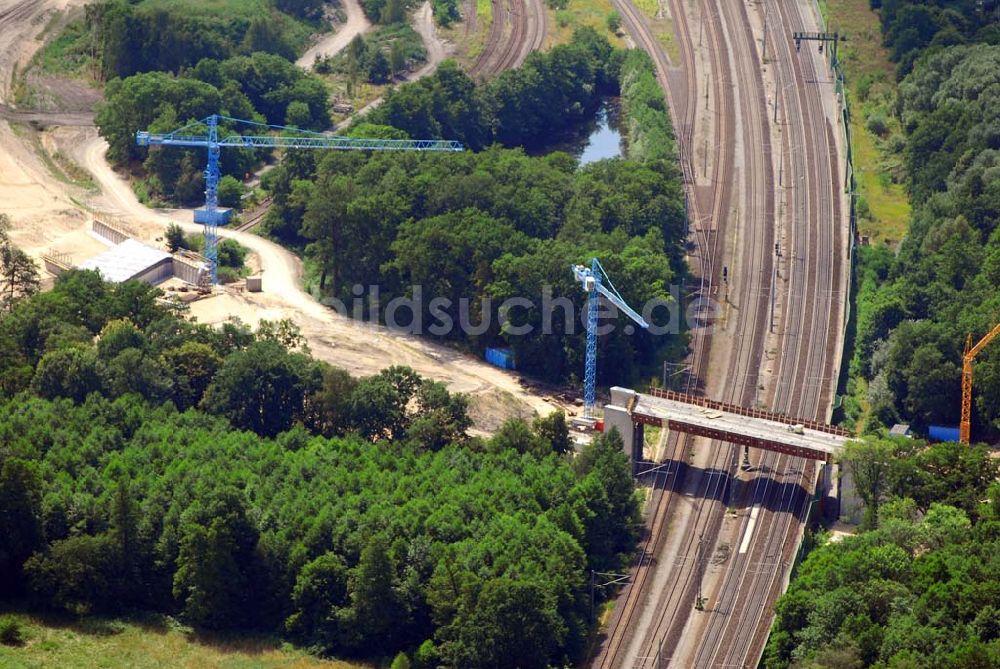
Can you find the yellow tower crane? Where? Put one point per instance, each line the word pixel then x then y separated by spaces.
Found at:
pixel 965 430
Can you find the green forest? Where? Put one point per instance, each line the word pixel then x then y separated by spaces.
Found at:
pixel 483 226
pixel 498 221
pixel 226 477
pixel 261 87
pixel 919 587
pixel 128 37
pixel 917 303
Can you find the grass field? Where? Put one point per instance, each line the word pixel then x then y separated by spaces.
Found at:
pixel 155 642
pixel 578 13
pixel 227 8
pixel 484 11
pixel 648 7
pixel 661 25
pixel 867 66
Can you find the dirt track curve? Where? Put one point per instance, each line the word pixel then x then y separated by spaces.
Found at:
pixel 330 45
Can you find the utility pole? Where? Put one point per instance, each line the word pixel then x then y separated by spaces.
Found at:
pixel 699 603
pixel 612 579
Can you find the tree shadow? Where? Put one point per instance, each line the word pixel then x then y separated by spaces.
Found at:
pixel 97 625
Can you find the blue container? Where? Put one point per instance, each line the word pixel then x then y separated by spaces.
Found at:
pixel 943 433
pixel 500 357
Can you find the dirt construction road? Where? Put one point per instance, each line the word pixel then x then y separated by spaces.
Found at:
pixel 49 213
pixel 438 49
pixel 359 348
pixel 333 44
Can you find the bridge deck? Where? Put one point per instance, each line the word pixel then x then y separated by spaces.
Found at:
pixel 742 426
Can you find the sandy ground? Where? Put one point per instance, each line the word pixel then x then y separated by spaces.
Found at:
pixel 50 214
pixel 359 348
pixel 333 44
pixel 41 209
pixel 21 21
pixel 437 50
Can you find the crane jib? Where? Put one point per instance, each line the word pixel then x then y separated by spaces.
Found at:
pixel 205 133
pixel 593 279
pixel 144 138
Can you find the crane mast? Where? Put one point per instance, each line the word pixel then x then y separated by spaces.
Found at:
pixel 965 429
pixel 205 133
pixel 593 280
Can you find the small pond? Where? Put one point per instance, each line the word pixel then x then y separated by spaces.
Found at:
pixel 600 138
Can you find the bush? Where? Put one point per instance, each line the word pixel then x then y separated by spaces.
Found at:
pixel 864 211
pixel 864 87
pixel 230 192
pixel 175 238
pixel 896 143
pixel 878 124
pixel 77 575
pixel 614 22
pixel 227 274
pixel 232 254
pixel 11 633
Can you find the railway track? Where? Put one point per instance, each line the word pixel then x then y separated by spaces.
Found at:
pixel 256 216
pixel 816 272
pixel 735 628
pixel 749 302
pixel 752 583
pixel 518 28
pixel 710 486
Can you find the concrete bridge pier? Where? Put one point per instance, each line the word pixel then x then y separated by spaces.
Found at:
pixel 618 414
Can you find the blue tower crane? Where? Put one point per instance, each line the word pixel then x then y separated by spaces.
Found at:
pixel 205 133
pixel 593 279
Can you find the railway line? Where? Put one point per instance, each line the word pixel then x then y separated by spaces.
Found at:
pixel 518 28
pixel 711 485
pixel 660 599
pixel 255 216
pixel 815 275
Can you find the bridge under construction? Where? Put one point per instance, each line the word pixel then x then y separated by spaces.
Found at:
pixel 629 411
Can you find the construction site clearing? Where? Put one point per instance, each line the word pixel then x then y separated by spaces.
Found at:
pixel 182 275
